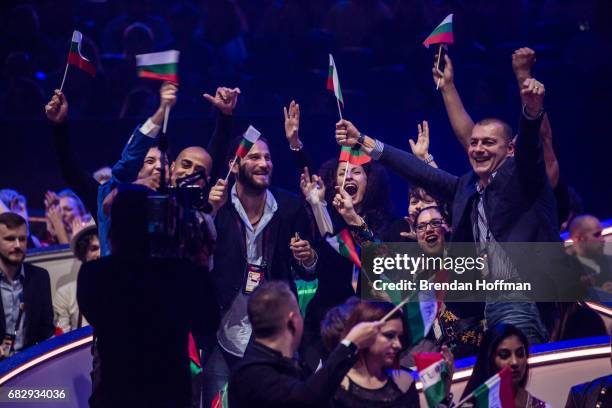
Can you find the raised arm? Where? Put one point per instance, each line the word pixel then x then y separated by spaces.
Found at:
pixel 224 101
pixel 421 148
pixel 460 120
pixel 127 168
pixel 407 165
pixel 522 61
pixel 73 173
pixel 292 127
pixel 528 151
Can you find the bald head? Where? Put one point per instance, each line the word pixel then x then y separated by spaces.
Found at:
pixel 585 231
pixel 191 160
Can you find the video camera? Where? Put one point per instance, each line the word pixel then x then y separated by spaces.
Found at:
pixel 176 219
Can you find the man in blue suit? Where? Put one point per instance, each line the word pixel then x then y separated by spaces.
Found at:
pixel 506 197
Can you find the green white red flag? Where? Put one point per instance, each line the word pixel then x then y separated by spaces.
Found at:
pixel 333 83
pixel 195 366
pixel 248 140
pixel 420 310
pixel 443 33
pixel 496 392
pixel 221 399
pixel 76 58
pixel 432 370
pixel 343 244
pixel 354 155
pixel 159 65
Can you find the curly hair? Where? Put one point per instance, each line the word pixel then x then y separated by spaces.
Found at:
pixel 376 206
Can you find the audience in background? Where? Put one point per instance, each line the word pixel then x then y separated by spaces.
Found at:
pixel 26 313
pixel 85 246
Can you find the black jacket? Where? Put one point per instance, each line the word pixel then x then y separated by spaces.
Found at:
pixel 228 275
pixel 37 302
pixel 519 202
pixel 264 378
pixel 589 394
pixel 141 311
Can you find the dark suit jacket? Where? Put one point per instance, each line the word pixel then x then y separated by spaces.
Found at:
pixel 264 378
pixel 519 203
pixel 228 275
pixel 39 309
pixel 587 395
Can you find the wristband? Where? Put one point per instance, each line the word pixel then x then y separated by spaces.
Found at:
pixel 361 139
pixel 429 159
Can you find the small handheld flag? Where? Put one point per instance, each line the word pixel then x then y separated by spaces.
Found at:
pixel 248 140
pixel 496 392
pixel 432 367
pixel 443 33
pixel 354 155
pixel 333 84
pixel 343 244
pixel 159 65
pixel 76 59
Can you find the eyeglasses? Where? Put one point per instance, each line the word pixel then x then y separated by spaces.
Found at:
pixel 435 223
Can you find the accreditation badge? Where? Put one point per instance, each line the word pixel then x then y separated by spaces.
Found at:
pixel 254 277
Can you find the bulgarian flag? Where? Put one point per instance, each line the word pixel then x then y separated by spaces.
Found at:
pixel 344 245
pixel 496 392
pixel 354 155
pixel 443 34
pixel 76 58
pixel 159 65
pixel 333 84
pixel 220 400
pixel 195 366
pixel 432 370
pixel 248 140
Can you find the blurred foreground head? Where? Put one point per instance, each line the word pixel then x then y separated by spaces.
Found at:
pixel 129 222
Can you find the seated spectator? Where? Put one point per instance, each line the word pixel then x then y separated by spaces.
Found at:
pixel 503 346
pixel 85 245
pixel 12 201
pixel 268 375
pixel 585 232
pixel 375 378
pixel 591 394
pixel 25 309
pixel 65 212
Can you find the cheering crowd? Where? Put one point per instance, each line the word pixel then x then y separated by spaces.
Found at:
pixel 206 284
pixel 240 292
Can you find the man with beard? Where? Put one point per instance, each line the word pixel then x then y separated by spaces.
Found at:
pixel 26 313
pixel 258 229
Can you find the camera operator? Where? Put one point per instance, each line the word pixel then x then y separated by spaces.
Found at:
pixel 141 309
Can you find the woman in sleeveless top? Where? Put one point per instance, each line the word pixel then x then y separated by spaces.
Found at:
pixel 504 345
pixel 376 379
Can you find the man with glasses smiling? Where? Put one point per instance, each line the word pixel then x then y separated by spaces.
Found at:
pixel 506 197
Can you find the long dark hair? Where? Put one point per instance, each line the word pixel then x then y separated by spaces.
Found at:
pixel 376 206
pixel 485 367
